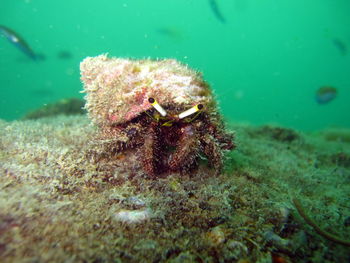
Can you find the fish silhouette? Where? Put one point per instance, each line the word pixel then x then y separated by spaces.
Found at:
pixel 215 8
pixel 18 41
pixel 326 94
pixel 64 54
pixel 340 45
pixel 171 32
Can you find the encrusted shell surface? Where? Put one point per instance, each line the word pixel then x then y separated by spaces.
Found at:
pixel 118 89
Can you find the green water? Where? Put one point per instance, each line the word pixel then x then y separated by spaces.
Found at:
pixel 265 63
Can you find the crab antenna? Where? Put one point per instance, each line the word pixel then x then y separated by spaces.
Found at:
pixel 156 105
pixel 190 111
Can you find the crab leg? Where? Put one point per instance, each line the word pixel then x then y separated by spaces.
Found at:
pixel 186 150
pixel 212 151
pixel 149 151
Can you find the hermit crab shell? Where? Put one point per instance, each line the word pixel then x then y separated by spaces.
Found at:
pixel 118 89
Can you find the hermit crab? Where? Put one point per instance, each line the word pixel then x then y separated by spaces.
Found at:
pixel 161 109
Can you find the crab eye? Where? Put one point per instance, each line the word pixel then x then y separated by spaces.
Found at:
pixel 190 111
pixel 156 105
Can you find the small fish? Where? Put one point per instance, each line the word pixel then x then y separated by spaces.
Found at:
pixel 326 94
pixel 64 54
pixel 41 92
pixel 171 32
pixel 19 42
pixel 341 46
pixel 215 8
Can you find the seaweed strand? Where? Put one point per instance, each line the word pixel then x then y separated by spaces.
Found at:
pixel 319 230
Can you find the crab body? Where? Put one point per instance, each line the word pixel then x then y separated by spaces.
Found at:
pixel 161 109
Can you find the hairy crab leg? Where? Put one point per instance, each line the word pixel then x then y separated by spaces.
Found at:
pixel 149 151
pixel 226 141
pixel 186 150
pixel 212 151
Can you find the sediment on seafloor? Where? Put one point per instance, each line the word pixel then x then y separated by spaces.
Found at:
pixel 58 205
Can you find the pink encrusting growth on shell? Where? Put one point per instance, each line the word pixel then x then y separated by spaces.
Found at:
pixel 118 89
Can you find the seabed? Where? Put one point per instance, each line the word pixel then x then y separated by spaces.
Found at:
pixel 59 205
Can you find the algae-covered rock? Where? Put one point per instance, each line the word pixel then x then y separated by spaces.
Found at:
pixel 69 106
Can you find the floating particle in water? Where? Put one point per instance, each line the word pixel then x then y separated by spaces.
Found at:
pixel 326 94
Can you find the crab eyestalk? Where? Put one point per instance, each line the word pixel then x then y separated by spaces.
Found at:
pixel 190 111
pixel 157 106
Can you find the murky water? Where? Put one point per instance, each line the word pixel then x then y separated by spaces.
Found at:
pixel 264 59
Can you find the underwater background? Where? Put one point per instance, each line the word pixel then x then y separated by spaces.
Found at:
pixel 265 60
pixel 280 71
